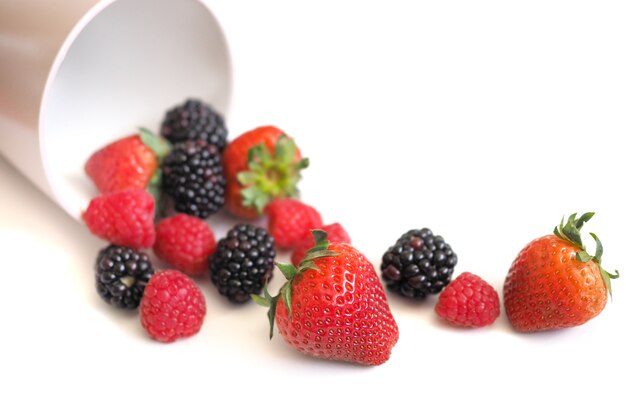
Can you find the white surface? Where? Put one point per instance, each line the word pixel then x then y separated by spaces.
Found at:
pixel 484 121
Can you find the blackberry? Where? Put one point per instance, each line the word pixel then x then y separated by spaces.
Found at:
pixel 243 262
pixel 194 120
pixel 121 275
pixel 193 176
pixel 419 264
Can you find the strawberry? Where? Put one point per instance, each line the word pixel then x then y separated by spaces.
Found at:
pixel 333 306
pixel 290 220
pixel 260 165
pixel 123 218
pixel 335 233
pixel 554 283
pixel 129 162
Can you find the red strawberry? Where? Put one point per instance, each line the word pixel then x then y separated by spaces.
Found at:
pixel 126 163
pixel 185 242
pixel 260 165
pixel 554 283
pixel 468 301
pixel 172 306
pixel 236 153
pixel 123 218
pixel 290 220
pixel 333 306
pixel 335 233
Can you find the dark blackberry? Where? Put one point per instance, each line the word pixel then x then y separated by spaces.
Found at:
pixel 121 275
pixel 194 120
pixel 193 176
pixel 243 262
pixel 419 264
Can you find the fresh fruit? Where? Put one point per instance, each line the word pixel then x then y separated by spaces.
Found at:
pixel 243 262
pixel 194 120
pixel 193 177
pixel 260 165
pixel 236 157
pixel 172 306
pixel 468 301
pixel 290 220
pixel 419 264
pixel 121 275
pixel 123 218
pixel 335 234
pixel 333 306
pixel 554 283
pixel 123 164
pixel 185 242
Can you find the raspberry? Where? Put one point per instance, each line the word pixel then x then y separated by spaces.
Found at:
pixel 123 218
pixel 418 264
pixel 172 306
pixel 243 262
pixel 184 242
pixel 335 234
pixel 289 220
pixel 121 276
pixel 468 301
pixel 194 120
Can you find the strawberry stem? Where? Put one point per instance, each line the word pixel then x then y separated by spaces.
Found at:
pixel 269 177
pixel 158 144
pixel 161 148
pixel 570 232
pixel 319 250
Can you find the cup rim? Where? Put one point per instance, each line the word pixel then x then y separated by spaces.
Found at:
pixel 75 210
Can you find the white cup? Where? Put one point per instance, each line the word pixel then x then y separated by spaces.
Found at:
pixel 77 74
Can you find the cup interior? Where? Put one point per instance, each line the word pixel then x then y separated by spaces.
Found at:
pixel 122 68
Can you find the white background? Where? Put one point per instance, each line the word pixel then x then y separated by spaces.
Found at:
pixel 486 121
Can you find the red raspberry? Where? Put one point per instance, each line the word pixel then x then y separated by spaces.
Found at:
pixel 172 306
pixel 289 220
pixel 335 234
pixel 468 301
pixel 123 218
pixel 185 242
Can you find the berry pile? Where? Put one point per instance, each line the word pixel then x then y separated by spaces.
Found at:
pixel 156 192
pixel 161 194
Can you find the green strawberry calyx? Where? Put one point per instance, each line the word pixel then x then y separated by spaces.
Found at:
pixel 271 176
pixel 570 231
pixel 319 250
pixel 161 148
pixel 158 144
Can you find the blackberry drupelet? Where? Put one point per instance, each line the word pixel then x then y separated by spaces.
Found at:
pixel 194 120
pixel 243 262
pixel 121 275
pixel 419 264
pixel 193 176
